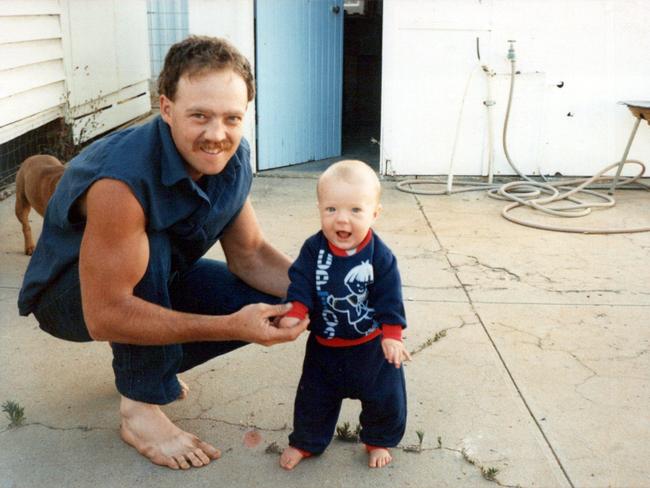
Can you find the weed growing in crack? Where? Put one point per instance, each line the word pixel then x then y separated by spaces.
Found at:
pixel 416 448
pixel 439 442
pixel 273 448
pixel 467 457
pixel 15 413
pixel 439 335
pixel 420 434
pixel 344 433
pixel 489 474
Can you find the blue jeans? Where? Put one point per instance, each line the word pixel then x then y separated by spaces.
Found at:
pixel 148 373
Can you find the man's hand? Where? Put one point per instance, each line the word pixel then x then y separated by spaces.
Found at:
pixel 254 323
pixel 287 322
pixel 395 352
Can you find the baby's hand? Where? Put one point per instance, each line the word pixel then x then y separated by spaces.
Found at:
pixel 286 322
pixel 395 352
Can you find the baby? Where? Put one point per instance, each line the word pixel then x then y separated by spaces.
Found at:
pixel 347 280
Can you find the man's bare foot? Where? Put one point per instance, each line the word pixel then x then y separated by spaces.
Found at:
pixel 290 458
pixel 147 428
pixel 185 390
pixel 379 457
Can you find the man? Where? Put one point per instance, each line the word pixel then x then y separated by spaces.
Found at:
pixel 119 258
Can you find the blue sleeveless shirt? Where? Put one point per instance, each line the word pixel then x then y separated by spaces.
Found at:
pixel 193 215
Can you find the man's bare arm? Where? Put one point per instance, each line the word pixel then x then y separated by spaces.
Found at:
pixel 113 259
pixel 252 258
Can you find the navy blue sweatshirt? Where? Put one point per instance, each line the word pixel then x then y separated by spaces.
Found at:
pixel 348 297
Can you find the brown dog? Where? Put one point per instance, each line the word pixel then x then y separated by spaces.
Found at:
pixel 35 183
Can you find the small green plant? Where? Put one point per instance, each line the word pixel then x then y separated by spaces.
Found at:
pixel 344 433
pixel 416 448
pixel 15 412
pixel 489 474
pixel 420 434
pixel 273 448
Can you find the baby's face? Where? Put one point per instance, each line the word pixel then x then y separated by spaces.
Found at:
pixel 346 212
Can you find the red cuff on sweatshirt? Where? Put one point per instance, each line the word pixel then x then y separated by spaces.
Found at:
pixel 298 310
pixel 391 331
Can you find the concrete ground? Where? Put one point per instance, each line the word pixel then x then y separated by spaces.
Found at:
pixel 530 363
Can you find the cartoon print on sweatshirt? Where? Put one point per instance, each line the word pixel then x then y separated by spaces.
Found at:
pixel 355 305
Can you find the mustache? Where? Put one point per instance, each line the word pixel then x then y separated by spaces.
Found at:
pixel 223 145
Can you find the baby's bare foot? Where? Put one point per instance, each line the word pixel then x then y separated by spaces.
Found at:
pixel 379 457
pixel 290 458
pixel 147 428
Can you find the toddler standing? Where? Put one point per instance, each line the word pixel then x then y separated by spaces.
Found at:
pixel 347 280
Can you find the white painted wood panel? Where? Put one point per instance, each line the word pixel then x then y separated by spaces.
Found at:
pixel 17 54
pixel 32 75
pixel 132 43
pixel 26 104
pixel 29 7
pixel 107 62
pixel 25 78
pixel 95 124
pixel 29 28
pixel 15 129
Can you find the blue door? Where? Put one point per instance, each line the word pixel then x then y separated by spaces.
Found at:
pixel 299 68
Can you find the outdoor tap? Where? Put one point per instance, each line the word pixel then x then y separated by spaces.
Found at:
pixel 511 50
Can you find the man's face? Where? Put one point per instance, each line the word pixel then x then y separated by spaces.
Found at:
pixel 206 119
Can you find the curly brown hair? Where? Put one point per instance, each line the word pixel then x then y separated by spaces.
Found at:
pixel 198 54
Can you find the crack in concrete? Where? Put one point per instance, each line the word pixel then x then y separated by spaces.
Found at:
pixel 247 425
pixel 82 428
pixel 494 346
pixel 496 269
pixel 483 470
pixel 416 287
pixel 441 334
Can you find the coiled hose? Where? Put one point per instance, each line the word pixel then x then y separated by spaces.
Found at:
pixel 539 195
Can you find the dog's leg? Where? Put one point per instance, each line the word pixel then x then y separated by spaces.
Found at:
pixel 22 213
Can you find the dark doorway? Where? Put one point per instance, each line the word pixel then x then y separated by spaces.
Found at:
pixel 362 48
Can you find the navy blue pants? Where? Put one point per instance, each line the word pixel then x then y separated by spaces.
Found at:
pixel 331 374
pixel 148 373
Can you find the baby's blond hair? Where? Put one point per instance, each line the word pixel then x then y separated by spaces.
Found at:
pixel 351 171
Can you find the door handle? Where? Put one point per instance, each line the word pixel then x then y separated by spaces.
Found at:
pixel 336 9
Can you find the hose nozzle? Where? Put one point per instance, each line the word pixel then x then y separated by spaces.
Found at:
pixel 511 50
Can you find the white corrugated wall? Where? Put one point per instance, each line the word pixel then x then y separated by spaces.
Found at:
pixel 32 74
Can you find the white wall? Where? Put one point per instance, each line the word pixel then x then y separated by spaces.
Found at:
pixel 32 73
pixel 107 63
pixel 434 88
pixel 72 58
pixel 233 20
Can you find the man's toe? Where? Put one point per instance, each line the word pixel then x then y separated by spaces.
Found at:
pixel 182 462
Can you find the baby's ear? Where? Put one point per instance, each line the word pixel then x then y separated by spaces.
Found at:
pixel 378 210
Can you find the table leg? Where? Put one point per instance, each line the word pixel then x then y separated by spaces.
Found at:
pixel 627 150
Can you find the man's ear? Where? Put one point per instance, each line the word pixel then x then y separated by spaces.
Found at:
pixel 165 108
